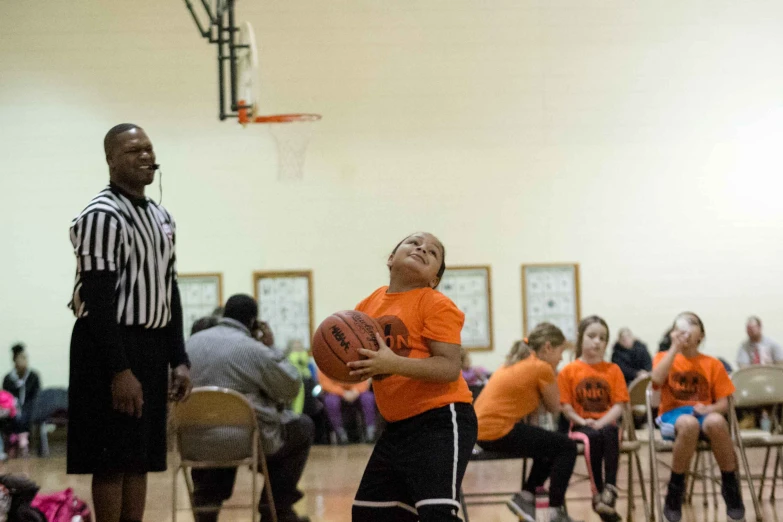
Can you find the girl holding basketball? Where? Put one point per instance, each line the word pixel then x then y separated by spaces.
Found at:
pixel 593 394
pixel 417 465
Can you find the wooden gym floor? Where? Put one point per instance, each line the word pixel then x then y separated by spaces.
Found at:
pixel 333 473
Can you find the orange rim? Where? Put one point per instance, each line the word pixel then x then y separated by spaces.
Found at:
pixel 286 118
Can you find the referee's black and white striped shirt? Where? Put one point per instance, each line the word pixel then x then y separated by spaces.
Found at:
pixel 135 238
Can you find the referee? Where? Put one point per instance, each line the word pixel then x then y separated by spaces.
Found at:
pixel 127 335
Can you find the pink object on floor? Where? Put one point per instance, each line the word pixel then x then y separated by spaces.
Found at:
pixel 63 506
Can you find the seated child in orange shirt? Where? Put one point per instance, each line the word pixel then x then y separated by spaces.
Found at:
pixel 694 396
pixel 593 393
pixel 513 392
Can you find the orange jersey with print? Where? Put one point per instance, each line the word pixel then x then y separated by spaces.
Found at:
pixel 592 389
pixel 512 393
pixel 700 379
pixel 409 319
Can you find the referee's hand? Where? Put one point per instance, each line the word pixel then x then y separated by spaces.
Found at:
pixel 126 394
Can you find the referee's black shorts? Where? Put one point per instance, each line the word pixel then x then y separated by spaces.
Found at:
pixel 416 469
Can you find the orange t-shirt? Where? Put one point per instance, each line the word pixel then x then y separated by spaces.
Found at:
pixel 409 319
pixel 700 379
pixel 512 393
pixel 334 387
pixel 592 389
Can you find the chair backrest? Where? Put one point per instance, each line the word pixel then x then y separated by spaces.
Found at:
pixel 215 424
pixel 211 406
pixel 50 401
pixel 758 386
pixel 637 389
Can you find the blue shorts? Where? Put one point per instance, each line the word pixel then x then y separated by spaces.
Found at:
pixel 667 420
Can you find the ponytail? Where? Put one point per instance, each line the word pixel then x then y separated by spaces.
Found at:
pixel 535 341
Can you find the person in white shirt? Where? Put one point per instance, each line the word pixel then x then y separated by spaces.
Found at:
pixel 757 348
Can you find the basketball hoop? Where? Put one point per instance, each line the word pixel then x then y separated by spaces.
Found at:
pixel 292 133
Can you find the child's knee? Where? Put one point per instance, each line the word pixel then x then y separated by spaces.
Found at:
pixel 687 426
pixel 715 424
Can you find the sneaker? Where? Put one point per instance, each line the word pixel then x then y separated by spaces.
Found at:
pixel 523 505
pixel 342 437
pixel 672 508
pixel 559 514
pixel 609 495
pixel 369 434
pixel 735 508
pixel 600 507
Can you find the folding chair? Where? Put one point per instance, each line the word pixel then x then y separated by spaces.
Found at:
pixel 656 445
pixel 213 408
pixel 481 455
pixel 759 386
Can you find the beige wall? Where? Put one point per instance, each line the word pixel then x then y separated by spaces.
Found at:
pixel 642 140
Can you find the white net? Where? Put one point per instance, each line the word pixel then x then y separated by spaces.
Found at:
pixel 292 138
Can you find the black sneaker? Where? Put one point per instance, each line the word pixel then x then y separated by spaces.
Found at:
pixel 672 508
pixel 523 505
pixel 735 508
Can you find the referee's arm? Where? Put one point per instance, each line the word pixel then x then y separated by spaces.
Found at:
pixel 178 355
pixel 96 244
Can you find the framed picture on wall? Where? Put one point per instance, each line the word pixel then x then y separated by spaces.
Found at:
pixel 200 294
pixel 469 288
pixel 550 292
pixel 285 301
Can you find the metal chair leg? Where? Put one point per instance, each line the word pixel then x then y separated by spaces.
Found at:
pixel 647 515
pixel 764 472
pixel 629 516
pixel 705 469
pixel 654 485
pixel 746 466
pixel 778 462
pixel 690 478
pixel 710 463
pixel 174 496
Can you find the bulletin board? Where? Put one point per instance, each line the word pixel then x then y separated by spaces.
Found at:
pixel 200 295
pixel 285 301
pixel 469 287
pixel 550 292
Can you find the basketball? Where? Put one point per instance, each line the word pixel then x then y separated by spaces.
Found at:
pixel 338 339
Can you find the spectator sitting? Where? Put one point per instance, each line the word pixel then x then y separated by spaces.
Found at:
pixel 335 393
pixel 204 323
pixel 631 356
pixel 228 355
pixel 758 348
pixel 24 384
pixel 474 375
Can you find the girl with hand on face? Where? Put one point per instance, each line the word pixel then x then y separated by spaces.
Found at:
pixel 694 398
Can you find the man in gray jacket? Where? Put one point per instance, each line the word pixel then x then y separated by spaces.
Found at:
pixel 228 355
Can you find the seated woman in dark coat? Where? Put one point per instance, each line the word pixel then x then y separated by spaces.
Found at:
pixel 631 356
pixel 24 384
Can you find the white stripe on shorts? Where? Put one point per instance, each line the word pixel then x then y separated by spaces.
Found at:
pixel 432 501
pixel 456 452
pixel 388 504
